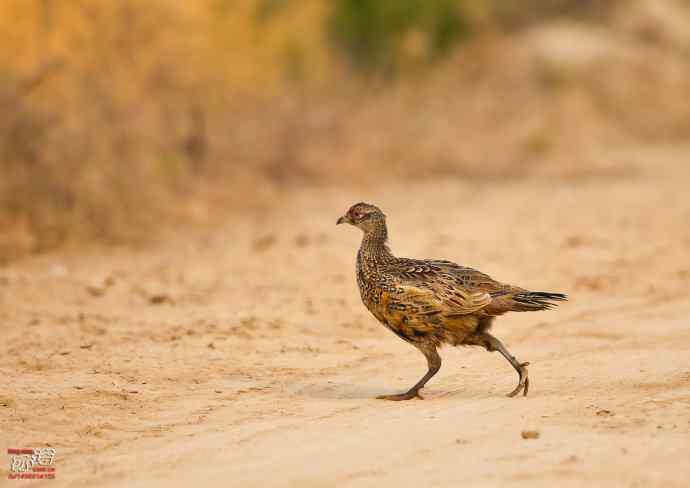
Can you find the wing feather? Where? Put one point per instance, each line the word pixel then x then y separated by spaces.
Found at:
pixel 439 295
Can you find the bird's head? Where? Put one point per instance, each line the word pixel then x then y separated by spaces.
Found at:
pixel 363 215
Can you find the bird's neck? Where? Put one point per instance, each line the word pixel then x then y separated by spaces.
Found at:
pixel 374 244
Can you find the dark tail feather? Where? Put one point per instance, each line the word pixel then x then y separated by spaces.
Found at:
pixel 537 300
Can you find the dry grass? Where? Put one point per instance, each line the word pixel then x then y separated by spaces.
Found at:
pixel 122 118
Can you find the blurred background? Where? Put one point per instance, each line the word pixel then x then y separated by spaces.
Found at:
pixel 121 118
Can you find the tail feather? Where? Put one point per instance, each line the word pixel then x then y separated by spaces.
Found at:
pixel 537 300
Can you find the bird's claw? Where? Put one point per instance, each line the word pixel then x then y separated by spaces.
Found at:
pixel 408 395
pixel 523 385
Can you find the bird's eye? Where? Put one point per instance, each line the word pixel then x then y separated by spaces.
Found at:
pixel 359 215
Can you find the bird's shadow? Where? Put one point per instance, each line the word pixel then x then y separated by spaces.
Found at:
pixel 335 390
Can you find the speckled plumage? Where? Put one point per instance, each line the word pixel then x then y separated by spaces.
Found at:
pixel 433 302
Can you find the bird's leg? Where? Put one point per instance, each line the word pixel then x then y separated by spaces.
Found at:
pixel 493 344
pixel 434 362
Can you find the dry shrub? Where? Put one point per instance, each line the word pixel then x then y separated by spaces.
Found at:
pixel 108 123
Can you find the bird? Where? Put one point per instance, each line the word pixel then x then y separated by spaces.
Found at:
pixel 430 303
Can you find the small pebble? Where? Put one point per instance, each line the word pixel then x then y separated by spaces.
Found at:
pixel 530 434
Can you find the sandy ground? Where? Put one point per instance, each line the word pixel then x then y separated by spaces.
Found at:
pixel 245 358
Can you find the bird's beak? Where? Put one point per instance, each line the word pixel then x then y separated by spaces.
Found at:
pixel 342 220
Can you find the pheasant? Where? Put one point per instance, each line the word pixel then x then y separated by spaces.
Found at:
pixel 433 302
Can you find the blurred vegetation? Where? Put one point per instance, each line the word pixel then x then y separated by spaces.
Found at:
pixel 385 36
pixel 121 116
pixel 375 35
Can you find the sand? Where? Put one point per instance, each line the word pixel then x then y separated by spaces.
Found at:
pixel 243 356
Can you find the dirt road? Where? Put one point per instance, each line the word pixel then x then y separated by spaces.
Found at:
pixel 245 358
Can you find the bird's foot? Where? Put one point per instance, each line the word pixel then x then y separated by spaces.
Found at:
pixel 408 395
pixel 523 385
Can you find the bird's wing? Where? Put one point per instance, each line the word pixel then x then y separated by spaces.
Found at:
pixel 502 294
pixel 471 279
pixel 427 288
